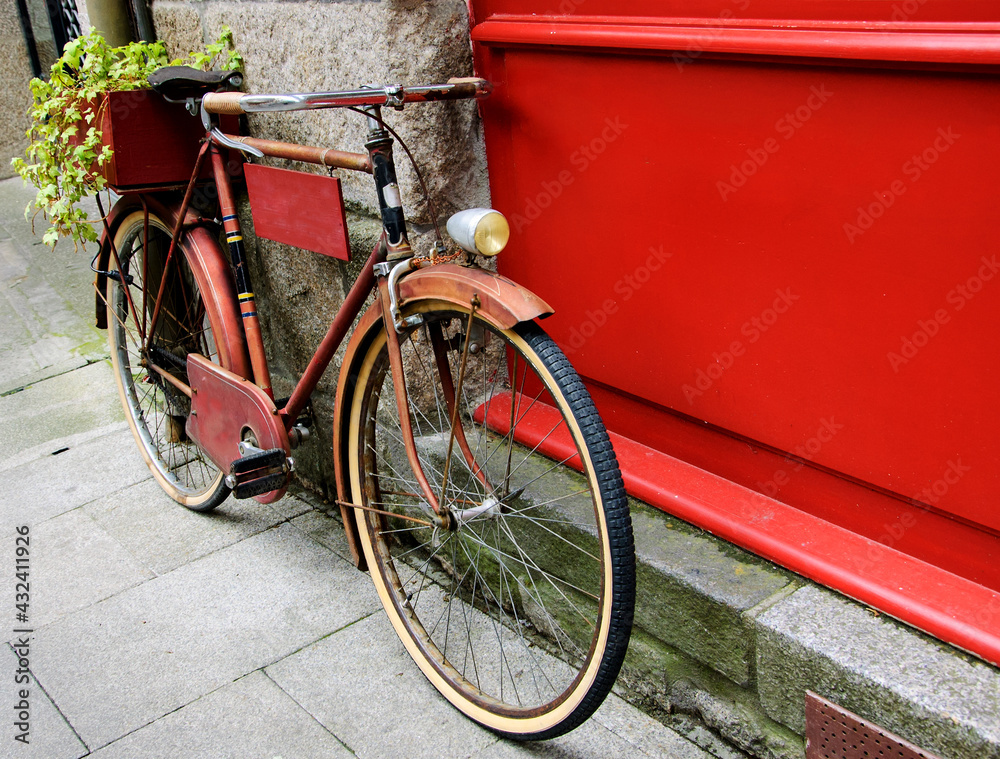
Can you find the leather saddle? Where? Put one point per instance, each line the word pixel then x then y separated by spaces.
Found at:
pixel 178 83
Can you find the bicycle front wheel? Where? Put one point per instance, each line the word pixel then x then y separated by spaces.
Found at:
pixel 520 614
pixel 155 408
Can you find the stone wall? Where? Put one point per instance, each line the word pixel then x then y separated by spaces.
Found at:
pixel 318 46
pixel 15 98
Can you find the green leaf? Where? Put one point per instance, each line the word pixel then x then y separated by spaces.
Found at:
pixel 66 107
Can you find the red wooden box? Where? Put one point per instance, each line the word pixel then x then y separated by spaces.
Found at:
pixel 155 143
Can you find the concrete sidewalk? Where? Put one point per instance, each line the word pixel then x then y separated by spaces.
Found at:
pixel 158 632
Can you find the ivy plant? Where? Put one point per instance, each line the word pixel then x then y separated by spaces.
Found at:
pixel 64 140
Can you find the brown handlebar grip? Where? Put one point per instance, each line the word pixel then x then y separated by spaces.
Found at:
pixel 471 86
pixel 225 103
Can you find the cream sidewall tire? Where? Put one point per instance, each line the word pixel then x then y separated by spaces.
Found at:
pixel 581 686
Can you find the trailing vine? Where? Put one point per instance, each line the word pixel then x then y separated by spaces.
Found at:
pixel 64 138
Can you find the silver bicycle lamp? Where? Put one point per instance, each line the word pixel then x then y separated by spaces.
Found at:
pixel 480 230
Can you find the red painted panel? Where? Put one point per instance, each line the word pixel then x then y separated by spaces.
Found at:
pixel 776 268
pixel 911 527
pixel 298 209
pixel 739 281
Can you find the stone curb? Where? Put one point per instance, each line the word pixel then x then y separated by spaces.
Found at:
pixel 736 641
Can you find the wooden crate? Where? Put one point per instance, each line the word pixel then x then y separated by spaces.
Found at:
pixel 155 143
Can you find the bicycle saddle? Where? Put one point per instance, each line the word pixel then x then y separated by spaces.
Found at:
pixel 177 83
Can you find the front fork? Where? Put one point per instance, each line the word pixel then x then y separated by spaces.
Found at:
pixel 452 392
pixel 397 245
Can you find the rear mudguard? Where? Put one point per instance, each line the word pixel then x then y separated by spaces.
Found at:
pixel 503 304
pixel 209 266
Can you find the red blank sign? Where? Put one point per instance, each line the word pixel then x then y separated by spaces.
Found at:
pixel 299 209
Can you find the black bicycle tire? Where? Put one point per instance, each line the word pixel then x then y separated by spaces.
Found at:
pixel 618 535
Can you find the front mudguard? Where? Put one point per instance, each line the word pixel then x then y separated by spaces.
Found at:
pixel 503 303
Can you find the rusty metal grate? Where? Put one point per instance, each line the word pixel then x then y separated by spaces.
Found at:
pixel 835 733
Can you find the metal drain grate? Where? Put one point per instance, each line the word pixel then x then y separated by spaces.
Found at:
pixel 835 733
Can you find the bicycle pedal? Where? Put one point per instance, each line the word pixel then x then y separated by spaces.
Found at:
pixel 274 457
pixel 259 472
pixel 264 484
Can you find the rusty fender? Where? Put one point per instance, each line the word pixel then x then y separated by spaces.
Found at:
pixel 210 268
pixel 504 303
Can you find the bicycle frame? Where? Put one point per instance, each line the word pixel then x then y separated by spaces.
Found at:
pixel 496 299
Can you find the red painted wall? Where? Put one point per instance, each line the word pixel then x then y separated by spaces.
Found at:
pixel 771 242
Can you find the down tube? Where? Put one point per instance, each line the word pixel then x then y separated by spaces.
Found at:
pixel 346 315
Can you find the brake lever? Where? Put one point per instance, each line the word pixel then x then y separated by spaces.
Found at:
pixel 220 138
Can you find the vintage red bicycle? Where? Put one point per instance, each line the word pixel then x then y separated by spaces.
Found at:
pixel 508 574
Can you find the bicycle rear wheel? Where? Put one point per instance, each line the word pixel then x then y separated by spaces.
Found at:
pixel 521 615
pixel 156 410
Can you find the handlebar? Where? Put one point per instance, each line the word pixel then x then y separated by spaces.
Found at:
pixel 236 103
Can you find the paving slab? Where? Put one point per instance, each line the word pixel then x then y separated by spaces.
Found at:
pixel 251 718
pixel 384 707
pixel 57 408
pixel 54 484
pixel 164 535
pixel 289 507
pixel 127 661
pixel 46 298
pixel 45 307
pixel 49 735
pixel 14 196
pixel 75 563
pixel 15 360
pixel 879 669
pixel 634 736
pixel 61 444
pixel 363 687
pixel 644 732
pixel 326 530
